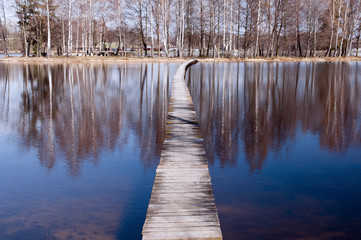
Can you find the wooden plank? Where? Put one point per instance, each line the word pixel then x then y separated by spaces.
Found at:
pixel 182 203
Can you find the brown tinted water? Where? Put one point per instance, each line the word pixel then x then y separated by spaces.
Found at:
pixel 284 147
pixel 79 145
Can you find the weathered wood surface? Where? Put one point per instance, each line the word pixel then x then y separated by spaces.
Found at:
pixel 182 203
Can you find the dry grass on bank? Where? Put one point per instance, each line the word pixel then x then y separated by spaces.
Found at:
pixel 283 59
pixel 99 59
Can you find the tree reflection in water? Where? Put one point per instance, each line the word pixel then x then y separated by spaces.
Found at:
pixel 98 131
pixel 258 107
pixel 77 111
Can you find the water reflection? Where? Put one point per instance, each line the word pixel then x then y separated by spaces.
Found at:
pixel 284 143
pixel 79 144
pixel 256 108
pixel 77 111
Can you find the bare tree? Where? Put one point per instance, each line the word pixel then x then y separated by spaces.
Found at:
pixel 259 28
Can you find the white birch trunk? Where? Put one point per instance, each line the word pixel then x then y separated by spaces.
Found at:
pixel 258 26
pixel 25 42
pixel 314 35
pixel 332 27
pixel 344 29
pixel 86 39
pixel 100 36
pixel 120 23
pixel 63 35
pixel 230 30
pixel 90 29
pixel 224 28
pixel 69 28
pixel 151 31
pixel 182 29
pixel 49 36
pixel 164 19
pixel 338 26
pixel 77 33
pixel 83 35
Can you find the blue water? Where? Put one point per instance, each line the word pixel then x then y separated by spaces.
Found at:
pixel 284 145
pixel 78 156
pixel 79 145
pixel 11 55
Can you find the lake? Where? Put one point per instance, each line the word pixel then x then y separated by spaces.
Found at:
pixel 11 55
pixel 283 142
pixel 80 143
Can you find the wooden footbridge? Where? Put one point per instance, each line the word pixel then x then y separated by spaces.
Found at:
pixel 182 203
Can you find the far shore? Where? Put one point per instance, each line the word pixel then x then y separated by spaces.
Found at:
pixel 100 59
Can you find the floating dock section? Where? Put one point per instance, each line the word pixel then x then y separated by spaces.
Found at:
pixel 182 203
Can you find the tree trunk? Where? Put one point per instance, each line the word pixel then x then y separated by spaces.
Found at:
pixel 5 31
pixel 143 42
pixel 77 34
pixel 182 29
pixel 258 26
pixel 90 29
pixel 298 37
pixel 338 26
pixel 25 41
pixel 101 35
pixel 119 5
pixel 238 27
pixel 230 30
pixel 246 31
pixel 86 36
pixel 63 35
pixel 344 30
pixel 151 30
pixel 357 42
pixel 165 32
pixel 69 28
pixel 314 37
pixel 202 30
pixel 224 28
pixel 332 27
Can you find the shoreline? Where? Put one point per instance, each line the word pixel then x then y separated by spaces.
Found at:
pixel 99 59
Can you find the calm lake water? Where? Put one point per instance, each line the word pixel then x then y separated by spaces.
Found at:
pixel 79 145
pixel 11 55
pixel 284 147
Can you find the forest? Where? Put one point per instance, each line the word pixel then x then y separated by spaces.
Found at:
pixel 181 28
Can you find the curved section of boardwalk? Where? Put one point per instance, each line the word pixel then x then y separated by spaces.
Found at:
pixel 182 203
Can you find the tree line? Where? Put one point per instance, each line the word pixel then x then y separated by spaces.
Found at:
pixel 206 28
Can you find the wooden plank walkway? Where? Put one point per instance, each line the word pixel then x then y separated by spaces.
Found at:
pixel 182 203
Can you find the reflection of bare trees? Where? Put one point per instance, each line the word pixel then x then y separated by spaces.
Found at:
pixel 336 107
pixel 259 107
pixel 78 111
